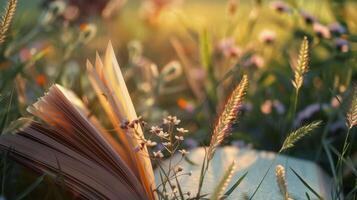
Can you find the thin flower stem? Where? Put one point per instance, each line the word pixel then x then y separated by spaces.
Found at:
pixel 167 178
pixel 171 147
pixel 171 178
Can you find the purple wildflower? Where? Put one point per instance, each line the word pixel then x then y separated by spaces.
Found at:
pixel 308 18
pixel 280 6
pixel 321 31
pixel 337 29
pixel 342 45
pixel 267 36
pixel 190 143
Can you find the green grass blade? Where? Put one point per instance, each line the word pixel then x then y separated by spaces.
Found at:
pixel 229 192
pixel 307 196
pixel 349 163
pixel 6 114
pixel 353 193
pixel 261 181
pixel 306 184
pixel 3 177
pixel 332 165
pixel 31 188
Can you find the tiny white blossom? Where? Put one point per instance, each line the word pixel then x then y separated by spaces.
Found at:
pixel 179 137
pixel 179 169
pixel 155 129
pixel 175 190
pixel 150 143
pixel 158 154
pixel 166 143
pixel 182 130
pixel 163 134
pixel 183 152
pixel 171 120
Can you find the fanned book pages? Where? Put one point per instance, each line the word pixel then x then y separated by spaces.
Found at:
pixel 72 142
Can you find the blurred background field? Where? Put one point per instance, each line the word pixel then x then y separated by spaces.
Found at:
pixel 183 57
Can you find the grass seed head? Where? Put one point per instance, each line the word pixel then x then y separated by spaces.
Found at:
pixel 228 116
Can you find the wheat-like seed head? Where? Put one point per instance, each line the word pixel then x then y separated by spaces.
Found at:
pixel 351 116
pixel 296 135
pixel 7 18
pixel 228 116
pixel 302 65
pixel 222 185
pixel 280 179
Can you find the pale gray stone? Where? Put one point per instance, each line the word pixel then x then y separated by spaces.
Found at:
pixel 256 163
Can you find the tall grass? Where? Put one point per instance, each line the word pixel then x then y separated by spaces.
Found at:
pixel 7 19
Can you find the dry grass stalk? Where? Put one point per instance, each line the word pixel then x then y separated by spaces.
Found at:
pixel 351 116
pixel 6 19
pixel 280 179
pixel 228 116
pixel 302 65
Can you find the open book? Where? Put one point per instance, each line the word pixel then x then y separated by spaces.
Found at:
pixel 74 144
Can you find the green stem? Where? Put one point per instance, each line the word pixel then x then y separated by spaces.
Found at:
pixel 292 111
pixel 295 104
pixel 15 46
pixel 324 134
pixel 204 169
pixel 344 149
pixel 340 158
